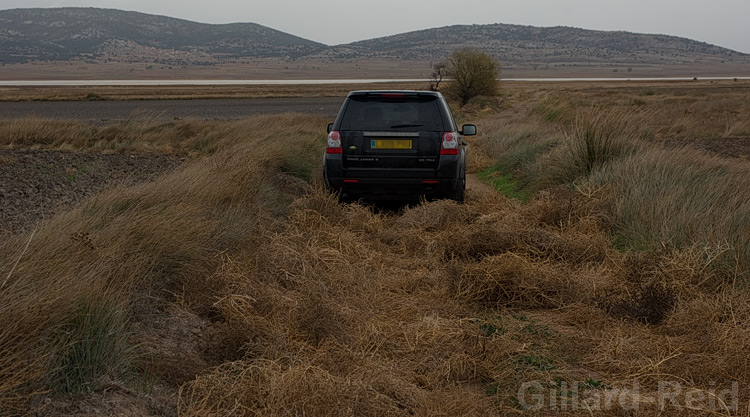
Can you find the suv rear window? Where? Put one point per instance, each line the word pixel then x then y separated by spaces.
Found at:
pixel 403 114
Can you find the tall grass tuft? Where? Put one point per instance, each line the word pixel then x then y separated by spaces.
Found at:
pixel 680 198
pixel 513 147
pixel 595 138
pixel 96 344
pixel 555 109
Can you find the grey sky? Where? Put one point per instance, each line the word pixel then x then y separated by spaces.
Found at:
pixel 720 22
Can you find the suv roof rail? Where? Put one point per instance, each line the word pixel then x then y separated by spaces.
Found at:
pixel 394 93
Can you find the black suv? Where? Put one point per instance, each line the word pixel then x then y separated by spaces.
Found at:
pixel 394 145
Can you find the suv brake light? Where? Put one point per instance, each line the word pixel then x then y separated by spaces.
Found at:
pixel 334 143
pixel 450 144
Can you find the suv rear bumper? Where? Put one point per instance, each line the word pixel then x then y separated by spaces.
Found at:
pixel 385 183
pixel 385 189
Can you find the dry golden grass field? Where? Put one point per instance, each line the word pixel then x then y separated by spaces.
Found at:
pixel 357 68
pixel 606 273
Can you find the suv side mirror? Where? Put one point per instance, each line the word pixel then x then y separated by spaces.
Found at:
pixel 330 127
pixel 468 130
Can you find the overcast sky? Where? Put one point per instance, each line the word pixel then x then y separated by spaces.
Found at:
pixel 721 22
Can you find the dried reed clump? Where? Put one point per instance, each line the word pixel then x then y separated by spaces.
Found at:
pixel 687 271
pixel 630 351
pixel 326 295
pixel 714 333
pixel 488 227
pixel 596 138
pixel 311 250
pixel 566 208
pixel 655 283
pixel 170 344
pixel 699 356
pixel 319 320
pixel 437 215
pixel 651 304
pixel 512 280
pixel 353 217
pixel 326 204
pixel 263 387
pixel 479 240
pixel 573 247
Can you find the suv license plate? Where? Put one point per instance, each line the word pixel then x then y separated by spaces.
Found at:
pixel 390 144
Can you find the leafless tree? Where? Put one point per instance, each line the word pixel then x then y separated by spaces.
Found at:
pixel 439 71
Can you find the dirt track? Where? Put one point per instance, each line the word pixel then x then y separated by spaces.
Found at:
pixel 225 109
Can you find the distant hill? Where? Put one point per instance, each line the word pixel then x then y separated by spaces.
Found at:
pixel 514 43
pixel 65 33
pixel 106 36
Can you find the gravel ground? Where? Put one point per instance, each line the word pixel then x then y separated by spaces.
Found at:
pixel 224 109
pixel 37 184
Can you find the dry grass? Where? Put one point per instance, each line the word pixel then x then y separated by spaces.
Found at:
pixel 678 110
pixel 369 314
pixel 595 138
pixel 127 244
pixel 328 309
pixel 608 139
pixel 376 315
pixel 682 199
pixel 138 134
pixel 251 291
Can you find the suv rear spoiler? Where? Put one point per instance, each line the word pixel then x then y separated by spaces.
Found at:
pixel 394 94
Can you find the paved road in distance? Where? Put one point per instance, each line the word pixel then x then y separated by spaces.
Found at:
pixel 221 109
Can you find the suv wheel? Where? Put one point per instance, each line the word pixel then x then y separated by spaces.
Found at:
pixel 458 194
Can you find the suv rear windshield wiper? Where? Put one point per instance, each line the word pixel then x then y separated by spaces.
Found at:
pixel 400 126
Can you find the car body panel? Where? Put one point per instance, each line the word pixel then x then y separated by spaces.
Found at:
pixel 391 147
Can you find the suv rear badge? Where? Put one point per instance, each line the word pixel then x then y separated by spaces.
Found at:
pixel 352 148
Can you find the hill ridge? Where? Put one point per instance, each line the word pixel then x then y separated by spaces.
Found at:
pixel 97 35
pixel 522 43
pixel 69 32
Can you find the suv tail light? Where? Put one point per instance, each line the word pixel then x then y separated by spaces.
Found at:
pixel 450 144
pixel 334 142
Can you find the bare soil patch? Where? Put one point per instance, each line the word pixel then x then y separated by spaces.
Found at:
pixel 476 189
pixel 36 184
pixel 734 147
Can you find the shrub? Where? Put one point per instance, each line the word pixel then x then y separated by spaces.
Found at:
pixel 473 73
